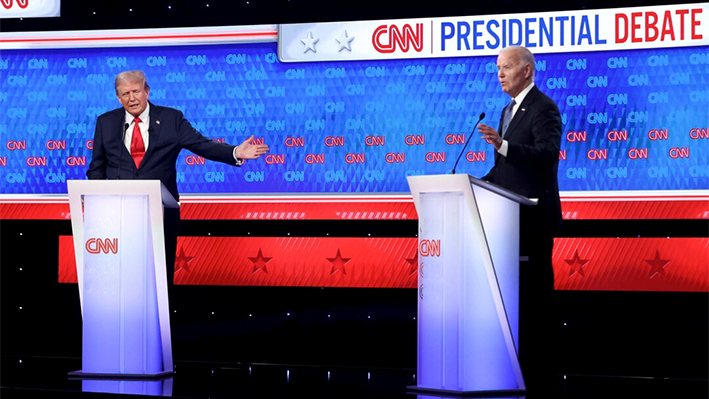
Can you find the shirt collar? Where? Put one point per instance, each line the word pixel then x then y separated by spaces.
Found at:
pixel 520 97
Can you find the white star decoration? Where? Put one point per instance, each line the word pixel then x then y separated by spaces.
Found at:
pixel 344 41
pixel 309 43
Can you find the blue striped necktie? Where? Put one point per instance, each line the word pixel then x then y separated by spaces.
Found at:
pixel 507 117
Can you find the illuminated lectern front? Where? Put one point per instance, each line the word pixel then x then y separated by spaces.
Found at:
pixel 120 264
pixel 468 286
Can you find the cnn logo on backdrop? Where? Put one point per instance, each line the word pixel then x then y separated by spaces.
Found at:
pixel 387 38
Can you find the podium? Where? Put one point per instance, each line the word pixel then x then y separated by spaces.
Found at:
pixel 468 286
pixel 120 264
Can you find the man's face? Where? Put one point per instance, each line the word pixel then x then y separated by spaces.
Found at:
pixel 133 96
pixel 512 73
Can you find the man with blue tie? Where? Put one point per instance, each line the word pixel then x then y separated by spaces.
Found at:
pixel 526 162
pixel 142 140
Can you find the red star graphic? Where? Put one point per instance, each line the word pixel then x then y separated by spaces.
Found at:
pixel 338 263
pixel 657 265
pixel 182 261
pixel 260 262
pixel 413 264
pixel 576 264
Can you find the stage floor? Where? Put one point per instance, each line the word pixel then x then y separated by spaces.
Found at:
pixel 43 377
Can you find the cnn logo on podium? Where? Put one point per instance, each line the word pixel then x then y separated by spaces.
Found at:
pixel 101 245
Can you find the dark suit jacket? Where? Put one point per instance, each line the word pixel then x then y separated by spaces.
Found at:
pixel 169 133
pixel 530 167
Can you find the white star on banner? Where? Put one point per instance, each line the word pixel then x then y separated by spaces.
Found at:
pixel 344 41
pixel 309 43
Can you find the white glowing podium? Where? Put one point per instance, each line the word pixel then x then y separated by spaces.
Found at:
pixel 468 286
pixel 120 265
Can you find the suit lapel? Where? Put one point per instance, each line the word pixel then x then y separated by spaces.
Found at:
pixel 153 132
pixel 121 113
pixel 522 111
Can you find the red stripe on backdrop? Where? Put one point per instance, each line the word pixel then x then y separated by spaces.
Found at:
pixel 34 211
pixel 284 261
pixel 403 210
pixel 296 261
pixel 324 208
pixel 67 260
pixel 302 211
pixel 582 264
pixel 625 210
pixel 264 34
pixel 631 264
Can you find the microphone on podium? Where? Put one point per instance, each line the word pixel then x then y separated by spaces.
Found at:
pixel 123 141
pixel 482 116
pixel 125 129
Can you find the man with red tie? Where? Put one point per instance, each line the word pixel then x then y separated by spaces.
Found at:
pixel 142 140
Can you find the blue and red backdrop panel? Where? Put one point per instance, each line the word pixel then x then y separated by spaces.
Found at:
pixel 634 146
pixel 633 120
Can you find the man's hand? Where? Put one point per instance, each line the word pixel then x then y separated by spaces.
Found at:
pixel 249 150
pixel 490 135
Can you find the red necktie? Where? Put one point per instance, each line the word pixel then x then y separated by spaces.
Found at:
pixel 137 147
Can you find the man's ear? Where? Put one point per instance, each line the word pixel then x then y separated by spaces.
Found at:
pixel 527 71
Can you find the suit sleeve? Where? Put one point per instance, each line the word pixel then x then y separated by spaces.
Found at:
pixel 97 167
pixel 197 143
pixel 543 149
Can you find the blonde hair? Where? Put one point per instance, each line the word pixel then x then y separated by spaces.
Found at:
pixel 132 77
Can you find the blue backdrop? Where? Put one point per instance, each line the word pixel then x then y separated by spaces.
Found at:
pixel 632 120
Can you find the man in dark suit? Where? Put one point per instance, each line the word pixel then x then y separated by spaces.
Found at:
pixel 142 141
pixel 526 162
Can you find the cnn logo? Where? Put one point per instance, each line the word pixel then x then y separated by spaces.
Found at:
pixel 20 3
pixel 430 247
pixel 387 38
pixel 98 245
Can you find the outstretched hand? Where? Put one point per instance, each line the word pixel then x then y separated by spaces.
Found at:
pixel 249 150
pixel 490 135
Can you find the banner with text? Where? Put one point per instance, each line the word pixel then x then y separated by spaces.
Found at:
pixel 550 32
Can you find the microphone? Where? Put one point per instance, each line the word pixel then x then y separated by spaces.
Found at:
pixel 482 116
pixel 123 143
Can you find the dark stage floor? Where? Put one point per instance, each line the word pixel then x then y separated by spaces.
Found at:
pixel 42 377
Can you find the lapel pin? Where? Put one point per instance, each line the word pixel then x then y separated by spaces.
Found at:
pixel 157 122
pixel 523 109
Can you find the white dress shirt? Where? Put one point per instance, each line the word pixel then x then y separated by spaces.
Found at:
pixel 144 125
